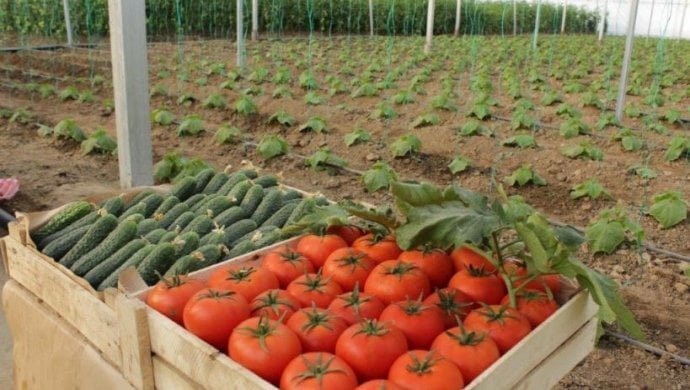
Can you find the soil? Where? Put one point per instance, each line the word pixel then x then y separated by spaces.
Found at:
pixel 654 287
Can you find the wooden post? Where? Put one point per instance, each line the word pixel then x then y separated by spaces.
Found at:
pixel 130 85
pixel 68 22
pixel 537 20
pixel 602 21
pixel 651 17
pixel 371 18
pixel 623 84
pixel 514 17
pixel 682 19
pixel 458 14
pixel 565 15
pixel 240 33
pixel 255 20
pixel 430 25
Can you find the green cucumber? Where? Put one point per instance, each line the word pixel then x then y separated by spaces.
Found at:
pixel 123 234
pixel 321 201
pixel 217 206
pixel 203 257
pixel 216 236
pixel 194 199
pixel 239 191
pixel 168 218
pixel 114 205
pixel 154 236
pixel 281 216
pixel 232 181
pixel 60 246
pixel 185 243
pixel 146 226
pixel 96 233
pixel 138 198
pixel 202 224
pixel 156 263
pixel 253 234
pixel 253 198
pixel 215 183
pixel 152 203
pixel 237 230
pixel 266 181
pixel 166 205
pixel 201 205
pixel 100 272
pixel 306 206
pixel 291 195
pixel 268 238
pixel 240 249
pixel 230 216
pixel 202 178
pixel 184 188
pixel 139 208
pixel 168 237
pixel 133 261
pixel 271 202
pixel 86 220
pixel 182 221
pixel 69 214
pixel 136 218
pixel 250 173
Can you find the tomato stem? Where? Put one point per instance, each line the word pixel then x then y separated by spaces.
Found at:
pixel 501 270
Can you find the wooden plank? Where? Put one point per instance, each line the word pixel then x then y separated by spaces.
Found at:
pixel 198 360
pixel 78 306
pixel 130 86
pixel 168 378
pixel 431 10
pixel 562 360
pixel 3 256
pixel 135 343
pixel 533 349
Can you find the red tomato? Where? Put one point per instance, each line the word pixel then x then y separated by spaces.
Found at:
pixel 465 256
pixel 370 348
pixel 286 264
pixel 247 280
pixel 480 285
pixel 435 263
pixel 348 267
pixel 420 323
pixel 171 294
pixel 318 248
pixel 349 233
pixel 317 371
pixel 264 346
pixel 314 288
pixel 355 306
pixel 505 325
pixel 377 248
pixel 275 304
pixel 534 305
pixel 421 369
pixel 472 352
pixel 213 314
pixel 454 305
pixel 379 384
pixel 518 273
pixel 393 281
pixel 317 329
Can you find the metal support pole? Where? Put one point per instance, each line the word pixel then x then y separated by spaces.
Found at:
pixel 458 14
pixel 68 22
pixel 623 84
pixel 565 15
pixel 255 20
pixel 602 21
pixel 682 19
pixel 651 17
pixel 371 18
pixel 537 20
pixel 430 25
pixel 514 17
pixel 240 33
pixel 130 86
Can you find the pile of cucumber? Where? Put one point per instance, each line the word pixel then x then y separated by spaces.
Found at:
pixel 201 221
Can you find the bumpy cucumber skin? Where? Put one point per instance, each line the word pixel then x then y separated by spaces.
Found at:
pixel 96 233
pixel 266 181
pixel 217 206
pixel 201 205
pixel 86 220
pixel 133 261
pixel 240 249
pixel 167 205
pixel 114 206
pixel 168 237
pixel 184 188
pixel 253 234
pixel 155 235
pixel 253 198
pixel 100 272
pixel 201 224
pixel 291 195
pixel 147 226
pixel 230 216
pixel 215 183
pixel 152 202
pixel 119 237
pixel 250 173
pixel 202 178
pixel 182 221
pixel 271 203
pixel 65 217
pixel 185 243
pixel 136 218
pixel 138 198
pixel 157 262
pixel 139 208
pixel 269 238
pixel 232 181
pixel 239 191
pixel 304 207
pixel 203 257
pixel 237 230
pixel 281 216
pixel 172 215
pixel 194 199
pixel 214 237
pixel 60 246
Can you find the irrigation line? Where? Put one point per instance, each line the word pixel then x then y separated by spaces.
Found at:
pixel 649 348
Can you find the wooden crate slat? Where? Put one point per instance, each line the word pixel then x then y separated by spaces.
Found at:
pixel 561 361
pixel 168 377
pixel 78 306
pixel 135 342
pixel 534 348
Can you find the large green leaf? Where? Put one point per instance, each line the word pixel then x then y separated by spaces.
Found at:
pixel 669 209
pixel 605 236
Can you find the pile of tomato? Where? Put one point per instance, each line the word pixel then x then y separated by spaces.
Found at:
pixel 349 309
